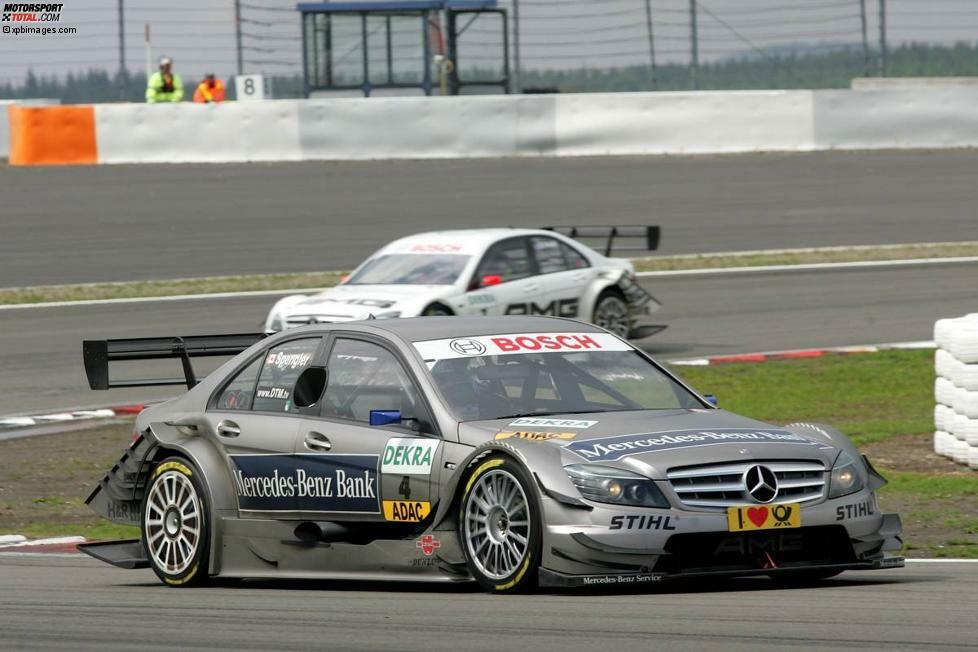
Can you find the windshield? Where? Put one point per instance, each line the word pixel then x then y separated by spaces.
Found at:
pixel 537 383
pixel 410 269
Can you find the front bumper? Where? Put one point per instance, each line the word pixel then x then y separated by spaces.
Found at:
pixel 607 545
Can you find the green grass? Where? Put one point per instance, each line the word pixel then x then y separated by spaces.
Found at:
pixel 939 512
pixel 311 281
pixel 869 397
pixel 93 532
pixel 807 256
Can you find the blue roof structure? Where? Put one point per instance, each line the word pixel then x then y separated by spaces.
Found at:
pixel 393 5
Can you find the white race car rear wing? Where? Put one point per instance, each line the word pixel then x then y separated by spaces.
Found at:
pixel 648 235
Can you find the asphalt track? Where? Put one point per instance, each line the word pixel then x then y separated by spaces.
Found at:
pixel 81 604
pixel 117 223
pixel 41 347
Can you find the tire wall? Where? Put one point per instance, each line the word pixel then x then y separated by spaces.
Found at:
pixel 956 389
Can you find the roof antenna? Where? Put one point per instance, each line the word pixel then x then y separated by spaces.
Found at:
pixel 371 316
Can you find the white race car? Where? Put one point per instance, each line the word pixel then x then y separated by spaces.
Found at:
pixel 498 271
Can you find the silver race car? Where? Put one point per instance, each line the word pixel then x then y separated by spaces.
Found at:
pixel 513 451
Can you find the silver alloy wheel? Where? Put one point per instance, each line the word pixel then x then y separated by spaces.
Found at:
pixel 497 524
pixel 172 522
pixel 611 313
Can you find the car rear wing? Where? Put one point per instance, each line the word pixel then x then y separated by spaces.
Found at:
pixel 648 236
pixel 98 354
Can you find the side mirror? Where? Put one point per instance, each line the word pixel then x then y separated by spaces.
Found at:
pixel 385 417
pixel 489 280
pixel 711 399
pixel 309 387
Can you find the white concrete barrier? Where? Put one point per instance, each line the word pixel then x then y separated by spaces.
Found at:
pixel 938 117
pixel 197 133
pixel 596 124
pixel 410 127
pixel 601 124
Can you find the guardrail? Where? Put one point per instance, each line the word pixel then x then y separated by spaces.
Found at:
pixel 593 124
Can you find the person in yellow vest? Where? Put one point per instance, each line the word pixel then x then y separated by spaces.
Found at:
pixel 209 90
pixel 164 85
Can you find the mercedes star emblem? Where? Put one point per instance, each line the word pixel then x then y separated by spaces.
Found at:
pixel 761 483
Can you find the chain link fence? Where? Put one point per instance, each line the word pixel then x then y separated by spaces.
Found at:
pixel 555 45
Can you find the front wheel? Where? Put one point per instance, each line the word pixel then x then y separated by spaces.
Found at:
pixel 611 313
pixel 437 310
pixel 175 527
pixel 500 526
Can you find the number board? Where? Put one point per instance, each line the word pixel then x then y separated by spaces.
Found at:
pixel 252 87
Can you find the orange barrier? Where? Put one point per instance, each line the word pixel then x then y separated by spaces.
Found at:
pixel 52 135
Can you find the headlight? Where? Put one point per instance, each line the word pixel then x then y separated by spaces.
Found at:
pixel 848 476
pixel 605 484
pixel 388 315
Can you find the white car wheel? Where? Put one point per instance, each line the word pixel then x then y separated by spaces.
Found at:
pixel 611 313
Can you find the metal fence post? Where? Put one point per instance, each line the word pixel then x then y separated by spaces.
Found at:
pixel 517 64
pixel 648 23
pixel 694 64
pixel 862 17
pixel 883 52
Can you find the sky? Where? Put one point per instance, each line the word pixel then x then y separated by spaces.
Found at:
pixel 200 36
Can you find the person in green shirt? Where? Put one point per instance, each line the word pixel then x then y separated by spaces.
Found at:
pixel 164 86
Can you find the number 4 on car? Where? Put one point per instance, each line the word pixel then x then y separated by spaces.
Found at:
pixel 516 452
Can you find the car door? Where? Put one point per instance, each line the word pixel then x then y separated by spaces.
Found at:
pixel 356 471
pixel 505 281
pixel 255 423
pixel 563 276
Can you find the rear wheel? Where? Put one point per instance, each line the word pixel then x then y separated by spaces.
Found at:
pixel 500 526
pixel 176 533
pixel 611 313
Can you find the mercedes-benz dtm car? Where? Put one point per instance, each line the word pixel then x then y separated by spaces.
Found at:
pixel 488 272
pixel 513 451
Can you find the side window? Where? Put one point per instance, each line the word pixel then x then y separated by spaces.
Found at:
pixel 283 364
pixel 240 392
pixel 549 257
pixel 508 259
pixel 364 377
pixel 575 260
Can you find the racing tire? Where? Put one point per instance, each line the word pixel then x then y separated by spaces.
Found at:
pixel 803 577
pixel 437 310
pixel 175 525
pixel 611 313
pixel 500 526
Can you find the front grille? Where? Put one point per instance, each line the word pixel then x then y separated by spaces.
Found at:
pixel 763 549
pixel 722 485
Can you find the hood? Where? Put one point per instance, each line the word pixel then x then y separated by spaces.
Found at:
pixel 355 302
pixel 651 442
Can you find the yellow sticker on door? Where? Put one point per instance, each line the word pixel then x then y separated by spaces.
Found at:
pixel 406 511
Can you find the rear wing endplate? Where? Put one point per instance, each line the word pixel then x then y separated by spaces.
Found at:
pixel 647 236
pixel 98 354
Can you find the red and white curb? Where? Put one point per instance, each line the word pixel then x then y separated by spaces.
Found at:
pixel 19 544
pixel 800 353
pixel 77 415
